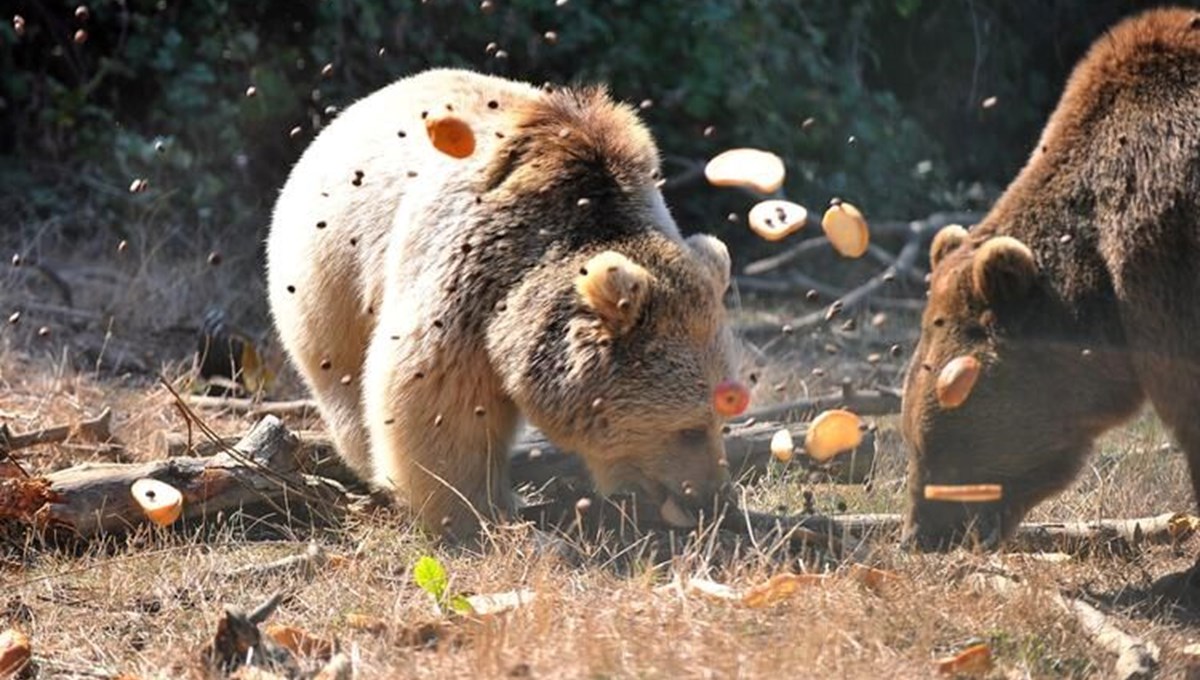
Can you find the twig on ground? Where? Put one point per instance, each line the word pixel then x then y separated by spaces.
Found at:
pixel 96 429
pixel 254 408
pixel 306 563
pixel 1110 534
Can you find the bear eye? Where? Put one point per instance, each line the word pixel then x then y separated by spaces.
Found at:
pixel 939 322
pixel 693 436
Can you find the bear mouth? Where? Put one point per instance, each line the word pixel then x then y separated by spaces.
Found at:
pixel 981 528
pixel 655 499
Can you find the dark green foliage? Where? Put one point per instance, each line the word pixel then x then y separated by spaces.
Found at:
pixel 158 90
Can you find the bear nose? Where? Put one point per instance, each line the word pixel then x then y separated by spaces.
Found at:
pixel 937 529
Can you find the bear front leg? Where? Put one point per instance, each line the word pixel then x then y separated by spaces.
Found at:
pixel 440 430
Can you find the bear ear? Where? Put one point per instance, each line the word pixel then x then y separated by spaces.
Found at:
pixel 615 288
pixel 945 242
pixel 713 254
pixel 1003 270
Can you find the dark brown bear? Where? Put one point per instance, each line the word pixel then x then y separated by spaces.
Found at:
pixel 1079 294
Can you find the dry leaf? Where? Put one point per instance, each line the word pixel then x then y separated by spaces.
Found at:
pixel 366 622
pixel 780 587
pixel 1182 525
pixel 760 171
pixel 9 469
pixel 955 382
pixel 782 445
pixel 974 660
pixel 775 220
pixel 846 230
pixel 22 497
pixel 831 433
pixel 299 642
pixel 15 652
pixel 964 493
pixel 257 376
pixel 161 502
pixel 872 577
pixel 451 135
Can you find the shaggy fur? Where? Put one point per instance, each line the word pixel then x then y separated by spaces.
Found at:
pixel 431 302
pixel 1096 304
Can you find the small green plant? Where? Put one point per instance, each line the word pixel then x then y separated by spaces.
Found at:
pixel 430 576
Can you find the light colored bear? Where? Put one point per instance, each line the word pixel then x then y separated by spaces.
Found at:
pixel 431 302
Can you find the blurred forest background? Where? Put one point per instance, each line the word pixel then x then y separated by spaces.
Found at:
pixel 904 107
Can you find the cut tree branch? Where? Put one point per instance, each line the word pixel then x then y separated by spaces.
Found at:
pixel 254 408
pixel 1136 658
pixel 1118 535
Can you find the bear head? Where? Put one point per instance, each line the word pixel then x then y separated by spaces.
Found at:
pixel 1001 390
pixel 643 378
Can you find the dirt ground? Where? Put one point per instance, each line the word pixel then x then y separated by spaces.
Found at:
pixel 144 605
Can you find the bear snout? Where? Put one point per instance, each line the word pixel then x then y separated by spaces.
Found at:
pixel 936 526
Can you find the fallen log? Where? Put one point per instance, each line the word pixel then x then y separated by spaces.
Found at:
pixel 876 402
pixel 268 465
pixel 94 498
pixel 1117 535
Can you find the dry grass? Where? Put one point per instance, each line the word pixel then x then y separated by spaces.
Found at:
pixel 146 604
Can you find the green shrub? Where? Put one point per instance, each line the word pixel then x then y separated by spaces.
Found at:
pixel 158 90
